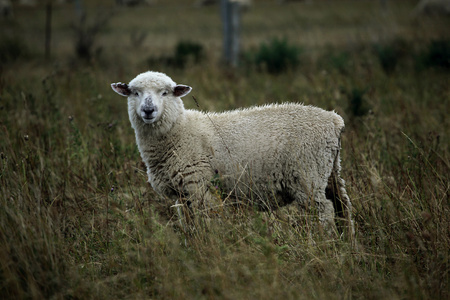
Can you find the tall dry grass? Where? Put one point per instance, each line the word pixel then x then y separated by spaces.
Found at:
pixel 78 220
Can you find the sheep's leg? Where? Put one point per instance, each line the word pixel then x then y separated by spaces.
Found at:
pixel 179 206
pixel 198 204
pixel 318 208
pixel 204 201
pixel 346 204
pixel 181 211
pixel 195 187
pixel 337 194
pixel 192 216
pixel 325 212
pixel 196 211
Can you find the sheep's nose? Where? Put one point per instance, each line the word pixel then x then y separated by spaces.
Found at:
pixel 148 110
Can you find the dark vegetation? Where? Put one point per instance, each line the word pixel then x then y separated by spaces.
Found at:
pixel 79 221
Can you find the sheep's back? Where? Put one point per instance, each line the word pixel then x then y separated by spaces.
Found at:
pixel 273 129
pixel 280 144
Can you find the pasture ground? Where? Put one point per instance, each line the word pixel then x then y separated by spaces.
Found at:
pixel 79 221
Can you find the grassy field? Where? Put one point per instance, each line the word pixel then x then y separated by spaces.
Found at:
pixel 78 219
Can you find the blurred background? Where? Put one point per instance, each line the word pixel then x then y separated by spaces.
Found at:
pixel 275 37
pixel 77 218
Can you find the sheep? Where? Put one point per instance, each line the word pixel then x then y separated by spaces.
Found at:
pixel 275 154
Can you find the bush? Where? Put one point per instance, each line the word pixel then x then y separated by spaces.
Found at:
pixel 184 52
pixel 11 49
pixel 437 55
pixel 277 56
pixel 357 104
pixel 336 60
pixel 86 35
pixel 389 55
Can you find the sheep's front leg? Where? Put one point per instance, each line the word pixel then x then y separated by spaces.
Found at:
pixel 197 203
pixel 202 200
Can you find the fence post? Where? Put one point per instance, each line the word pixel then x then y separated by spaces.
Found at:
pixel 48 28
pixel 231 17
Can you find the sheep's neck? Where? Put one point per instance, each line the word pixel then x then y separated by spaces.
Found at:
pixel 156 148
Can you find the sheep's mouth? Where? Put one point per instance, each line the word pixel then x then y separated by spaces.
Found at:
pixel 148 120
pixel 148 117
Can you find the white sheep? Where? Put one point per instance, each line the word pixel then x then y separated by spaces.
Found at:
pixel 272 155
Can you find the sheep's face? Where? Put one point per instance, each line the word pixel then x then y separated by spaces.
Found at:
pixel 151 94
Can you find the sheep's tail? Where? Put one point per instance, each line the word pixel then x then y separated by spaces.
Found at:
pixel 337 193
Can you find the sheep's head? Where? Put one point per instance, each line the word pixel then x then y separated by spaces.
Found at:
pixel 150 94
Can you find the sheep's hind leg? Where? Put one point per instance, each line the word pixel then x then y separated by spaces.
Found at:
pixel 317 208
pixel 325 211
pixel 337 194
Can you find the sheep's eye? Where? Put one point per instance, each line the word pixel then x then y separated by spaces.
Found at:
pixel 165 93
pixel 136 93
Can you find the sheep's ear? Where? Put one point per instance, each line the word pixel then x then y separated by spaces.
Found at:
pixel 121 89
pixel 181 90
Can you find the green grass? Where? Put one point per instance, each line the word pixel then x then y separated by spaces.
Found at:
pixel 78 220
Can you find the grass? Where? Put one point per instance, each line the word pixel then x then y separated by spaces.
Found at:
pixel 78 220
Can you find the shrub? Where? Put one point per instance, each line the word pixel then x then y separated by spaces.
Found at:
pixel 277 56
pixel 357 104
pixel 86 35
pixel 12 48
pixel 387 57
pixel 437 55
pixel 339 60
pixel 390 54
pixel 184 52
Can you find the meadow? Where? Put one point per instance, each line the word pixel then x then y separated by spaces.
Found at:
pixel 78 219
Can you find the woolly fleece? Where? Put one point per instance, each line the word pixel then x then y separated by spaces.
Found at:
pixel 274 154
